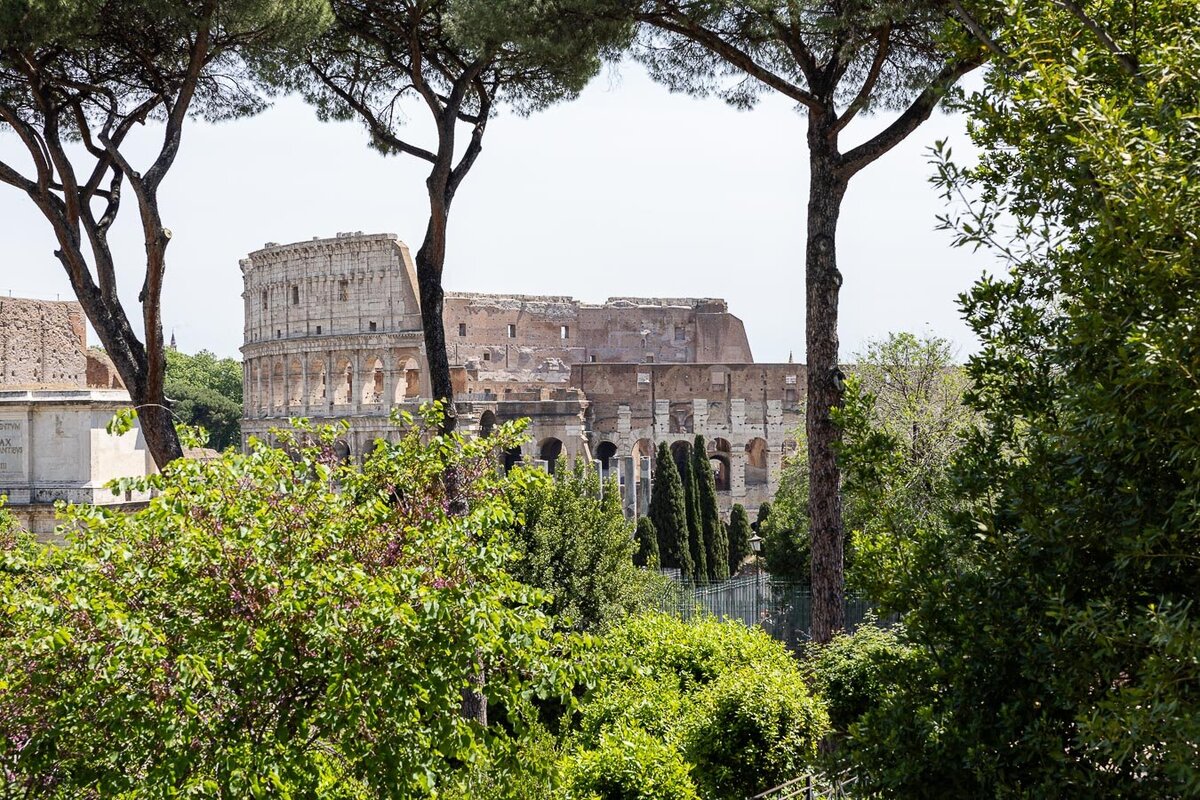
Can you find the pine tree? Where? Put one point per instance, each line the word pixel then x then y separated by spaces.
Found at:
pixel 716 542
pixel 691 492
pixel 739 537
pixel 668 512
pixel 647 542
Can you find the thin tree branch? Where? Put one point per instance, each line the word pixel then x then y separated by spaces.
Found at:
pixel 1128 62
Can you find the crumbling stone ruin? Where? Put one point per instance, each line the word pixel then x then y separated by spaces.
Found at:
pixel 333 332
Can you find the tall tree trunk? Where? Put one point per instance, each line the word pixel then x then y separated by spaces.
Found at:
pixel 431 258
pixel 825 387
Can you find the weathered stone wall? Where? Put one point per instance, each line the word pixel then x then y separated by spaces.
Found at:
pixel 42 344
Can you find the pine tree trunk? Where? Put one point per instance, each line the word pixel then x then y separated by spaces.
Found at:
pixel 430 260
pixel 825 387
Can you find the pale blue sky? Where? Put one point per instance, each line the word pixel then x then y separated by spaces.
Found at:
pixel 628 191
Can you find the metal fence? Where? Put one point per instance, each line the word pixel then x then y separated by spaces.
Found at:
pixel 813 786
pixel 781 608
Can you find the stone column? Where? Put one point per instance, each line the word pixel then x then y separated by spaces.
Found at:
pixel 356 384
pixel 737 470
pixel 330 371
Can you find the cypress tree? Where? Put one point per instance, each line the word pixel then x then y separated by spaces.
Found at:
pixel 764 512
pixel 668 512
pixel 691 492
pixel 739 537
pixel 647 542
pixel 716 542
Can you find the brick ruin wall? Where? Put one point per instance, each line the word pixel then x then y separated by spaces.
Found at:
pixel 43 344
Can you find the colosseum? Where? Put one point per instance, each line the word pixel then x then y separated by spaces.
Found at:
pixel 333 332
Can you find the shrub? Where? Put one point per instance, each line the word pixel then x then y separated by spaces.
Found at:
pixel 276 622
pixel 854 671
pixel 751 729
pixel 629 764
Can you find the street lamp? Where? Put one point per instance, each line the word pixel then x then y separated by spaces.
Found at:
pixel 756 545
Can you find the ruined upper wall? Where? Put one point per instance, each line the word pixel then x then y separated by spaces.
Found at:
pixel 353 283
pixel 42 344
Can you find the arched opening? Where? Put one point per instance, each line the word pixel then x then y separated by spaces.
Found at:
pixel 344 388
pixel 317 379
pixel 681 452
pixel 605 453
pixel 487 423
pixel 257 396
pixel 341 450
pixel 295 383
pixel 756 462
pixel 720 468
pixel 410 387
pixel 512 457
pixel 372 390
pixel 277 385
pixel 549 451
pixel 719 445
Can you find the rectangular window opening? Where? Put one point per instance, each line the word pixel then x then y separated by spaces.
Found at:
pixel 343 290
pixel 512 331
pixel 592 359
pixel 487 356
pixel 680 333
pixel 264 299
pixel 372 327
pixel 462 329
pixel 318 330
pixel 295 295
pixel 564 332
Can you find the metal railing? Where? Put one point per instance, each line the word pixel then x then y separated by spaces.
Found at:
pixel 812 786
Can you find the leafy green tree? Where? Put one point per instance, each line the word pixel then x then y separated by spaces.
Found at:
pixel 647 544
pixel 739 537
pixel 716 541
pixel 903 422
pixel 764 512
pixel 687 474
pixel 206 391
pixel 455 63
pixel 668 512
pixel 785 546
pixel 836 61
pixel 76 79
pixel 276 623
pixel 576 546
pixel 1062 617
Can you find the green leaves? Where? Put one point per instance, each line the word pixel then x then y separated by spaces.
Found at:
pixel 272 624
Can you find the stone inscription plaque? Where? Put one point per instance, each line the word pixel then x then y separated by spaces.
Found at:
pixel 13 441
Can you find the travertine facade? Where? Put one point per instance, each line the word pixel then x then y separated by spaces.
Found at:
pixel 333 331
pixel 56 399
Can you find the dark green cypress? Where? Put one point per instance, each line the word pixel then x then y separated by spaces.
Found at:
pixel 739 537
pixel 764 511
pixel 647 542
pixel 716 541
pixel 668 512
pixel 691 493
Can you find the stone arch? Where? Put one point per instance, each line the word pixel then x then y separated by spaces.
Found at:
pixel 549 450
pixel 372 382
pixel 277 385
pixel 343 382
pixel 295 382
pixel 409 385
pixel 680 452
pixel 487 422
pixel 318 382
pixel 756 462
pixel 642 449
pixel 720 468
pixel 512 457
pixel 605 453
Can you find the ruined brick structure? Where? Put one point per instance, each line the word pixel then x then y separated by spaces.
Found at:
pixel 333 332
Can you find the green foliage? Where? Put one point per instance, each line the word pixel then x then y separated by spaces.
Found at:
pixel 726 700
pixel 273 624
pixel 739 536
pixel 1062 620
pixel 764 513
pixel 786 546
pixel 206 392
pixel 716 541
pixel 646 539
pixel 903 421
pixel 628 764
pixel 691 496
pixel 854 672
pixel 575 545
pixel 752 729
pixel 668 512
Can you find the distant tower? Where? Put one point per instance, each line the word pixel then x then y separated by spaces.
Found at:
pixel 790 359
pixel 172 345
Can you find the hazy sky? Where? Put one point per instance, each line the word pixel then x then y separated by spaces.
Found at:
pixel 628 191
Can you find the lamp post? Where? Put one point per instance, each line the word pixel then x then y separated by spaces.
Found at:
pixel 756 545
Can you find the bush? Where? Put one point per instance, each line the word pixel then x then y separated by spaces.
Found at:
pixel 575 545
pixel 751 729
pixel 854 671
pixel 276 623
pixel 629 764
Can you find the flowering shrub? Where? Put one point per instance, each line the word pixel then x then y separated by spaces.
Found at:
pixel 273 624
